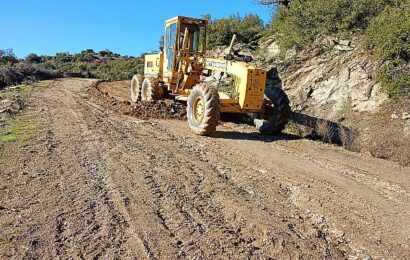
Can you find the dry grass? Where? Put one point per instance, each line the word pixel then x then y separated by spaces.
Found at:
pixel 306 126
pixel 324 131
pixel 16 74
pixel 388 143
pixel 376 134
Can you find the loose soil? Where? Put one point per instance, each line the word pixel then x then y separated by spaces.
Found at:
pixel 116 95
pixel 101 179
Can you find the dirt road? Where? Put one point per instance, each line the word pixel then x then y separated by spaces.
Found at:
pixel 95 184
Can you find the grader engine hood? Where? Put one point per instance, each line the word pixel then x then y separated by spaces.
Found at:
pixel 248 81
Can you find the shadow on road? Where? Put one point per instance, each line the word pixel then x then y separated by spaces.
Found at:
pixel 325 130
pixel 254 136
pixel 316 129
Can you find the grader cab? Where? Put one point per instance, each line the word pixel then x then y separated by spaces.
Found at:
pixel 210 87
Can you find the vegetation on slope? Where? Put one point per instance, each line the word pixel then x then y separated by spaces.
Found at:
pixel 385 25
pixel 247 29
pixel 13 71
pixel 104 65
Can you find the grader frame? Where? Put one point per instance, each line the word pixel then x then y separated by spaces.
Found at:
pixel 181 70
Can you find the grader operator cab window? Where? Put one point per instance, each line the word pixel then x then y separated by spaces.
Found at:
pixel 174 37
pixel 196 39
pixel 199 40
pixel 171 32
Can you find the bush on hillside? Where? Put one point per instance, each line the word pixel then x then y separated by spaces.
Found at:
pixel 20 72
pixel 105 65
pixel 395 79
pixel 384 23
pixel 33 58
pixel 389 34
pixel 7 57
pixel 118 69
pixel 247 29
pixel 306 19
pixel 389 37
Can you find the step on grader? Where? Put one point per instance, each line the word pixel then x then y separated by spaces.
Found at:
pixel 209 86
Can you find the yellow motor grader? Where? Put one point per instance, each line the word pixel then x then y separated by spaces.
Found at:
pixel 209 86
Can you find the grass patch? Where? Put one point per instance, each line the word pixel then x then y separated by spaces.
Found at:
pixel 22 129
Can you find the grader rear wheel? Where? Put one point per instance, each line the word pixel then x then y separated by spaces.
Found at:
pixel 275 116
pixel 151 90
pixel 203 110
pixel 136 86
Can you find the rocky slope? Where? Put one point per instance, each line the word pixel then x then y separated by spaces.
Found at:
pixel 329 77
pixel 334 92
pixel 335 82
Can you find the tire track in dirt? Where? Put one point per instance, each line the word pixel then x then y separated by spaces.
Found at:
pixel 188 217
pixel 100 185
pixel 175 216
pixel 311 185
pixel 183 217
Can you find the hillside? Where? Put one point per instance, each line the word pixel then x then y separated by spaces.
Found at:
pixel 335 86
pixel 104 65
pixel 345 67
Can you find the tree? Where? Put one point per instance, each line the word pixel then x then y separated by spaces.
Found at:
pixel 106 53
pixel 91 51
pixel 249 28
pixel 220 31
pixel 63 57
pixel 33 58
pixel 7 56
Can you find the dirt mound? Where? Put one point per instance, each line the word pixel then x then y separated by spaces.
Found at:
pixel 107 94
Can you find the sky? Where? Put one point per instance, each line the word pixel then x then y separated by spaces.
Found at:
pixel 128 27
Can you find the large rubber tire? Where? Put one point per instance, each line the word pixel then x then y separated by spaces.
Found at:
pixel 275 116
pixel 151 90
pixel 136 86
pixel 206 123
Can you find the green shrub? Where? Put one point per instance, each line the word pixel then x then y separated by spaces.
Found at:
pixel 33 58
pixel 220 31
pixel 389 34
pixel 7 57
pixel 385 23
pixel 105 64
pixel 395 79
pixel 306 19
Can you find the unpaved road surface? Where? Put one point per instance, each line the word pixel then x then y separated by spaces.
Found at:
pixel 97 184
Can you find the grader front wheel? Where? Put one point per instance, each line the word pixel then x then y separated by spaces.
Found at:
pixel 277 115
pixel 151 90
pixel 203 110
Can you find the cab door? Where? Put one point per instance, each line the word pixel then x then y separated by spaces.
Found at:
pixel 170 36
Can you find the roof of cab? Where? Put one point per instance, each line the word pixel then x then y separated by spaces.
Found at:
pixel 176 18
